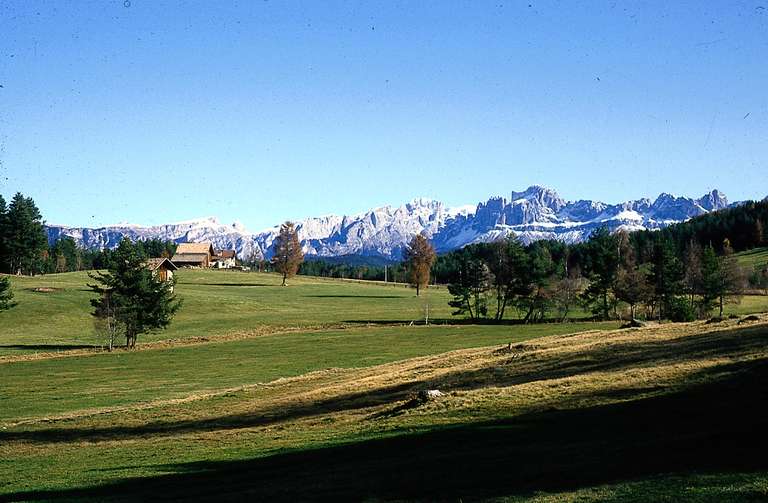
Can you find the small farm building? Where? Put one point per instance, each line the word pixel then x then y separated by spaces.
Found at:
pixel 194 255
pixel 162 267
pixel 225 259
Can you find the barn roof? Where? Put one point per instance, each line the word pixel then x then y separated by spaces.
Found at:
pixel 184 248
pixel 154 263
pixel 186 258
pixel 226 254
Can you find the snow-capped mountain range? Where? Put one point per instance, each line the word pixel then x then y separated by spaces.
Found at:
pixel 536 213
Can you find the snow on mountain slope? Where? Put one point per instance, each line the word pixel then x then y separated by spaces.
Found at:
pixel 533 214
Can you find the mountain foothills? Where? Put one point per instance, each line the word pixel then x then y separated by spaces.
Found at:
pixel 534 214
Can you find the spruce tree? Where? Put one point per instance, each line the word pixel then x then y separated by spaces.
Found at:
pixel 631 283
pixel 135 300
pixel 4 229
pixel 510 266
pixel 469 288
pixel 666 277
pixel 6 295
pixel 601 268
pixel 25 236
pixel 711 279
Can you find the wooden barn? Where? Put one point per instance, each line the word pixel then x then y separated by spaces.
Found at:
pixel 162 267
pixel 194 255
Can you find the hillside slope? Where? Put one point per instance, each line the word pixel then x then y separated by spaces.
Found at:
pixel 667 412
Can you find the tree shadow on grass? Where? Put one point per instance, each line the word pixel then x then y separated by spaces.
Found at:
pixel 355 296
pixel 519 369
pixel 47 347
pixel 468 321
pixel 238 285
pixel 716 427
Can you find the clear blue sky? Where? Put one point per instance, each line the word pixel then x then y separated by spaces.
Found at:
pixel 154 111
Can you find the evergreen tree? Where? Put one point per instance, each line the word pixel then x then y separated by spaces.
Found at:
pixel 731 277
pixel 539 278
pixel 288 255
pixel 758 236
pixel 631 283
pixel 470 287
pixel 6 295
pixel 509 264
pixel 419 256
pixel 130 296
pixel 711 279
pixel 4 231
pixel 666 277
pixel 692 265
pixel 602 262
pixel 25 236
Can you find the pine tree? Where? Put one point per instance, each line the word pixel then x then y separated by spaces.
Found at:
pixel 631 283
pixel 25 236
pixel 469 288
pixel 538 277
pixel 130 296
pixel 666 276
pixel 509 265
pixel 419 256
pixel 6 295
pixel 710 279
pixel 758 236
pixel 692 264
pixel 4 230
pixel 288 255
pixel 602 266
pixel 731 277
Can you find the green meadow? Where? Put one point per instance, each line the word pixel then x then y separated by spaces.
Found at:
pixel 309 392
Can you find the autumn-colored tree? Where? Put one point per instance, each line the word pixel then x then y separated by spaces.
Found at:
pixel 419 257
pixel 287 252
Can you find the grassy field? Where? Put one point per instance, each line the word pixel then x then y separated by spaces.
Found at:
pixel 231 304
pixel 753 257
pixel 307 393
pixel 216 303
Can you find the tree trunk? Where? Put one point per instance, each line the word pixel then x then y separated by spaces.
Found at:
pixel 417 289
pixel 529 313
pixel 285 276
pixel 721 305
pixel 503 308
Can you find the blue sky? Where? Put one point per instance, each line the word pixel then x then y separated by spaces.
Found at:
pixel 154 111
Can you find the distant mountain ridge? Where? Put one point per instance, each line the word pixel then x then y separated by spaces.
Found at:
pixel 533 214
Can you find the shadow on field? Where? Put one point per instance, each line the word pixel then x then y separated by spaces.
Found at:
pixel 468 321
pixel 47 347
pixel 227 284
pixel 716 427
pixel 521 368
pixel 355 297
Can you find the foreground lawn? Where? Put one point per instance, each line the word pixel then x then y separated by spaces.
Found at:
pixel 65 385
pixel 669 413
